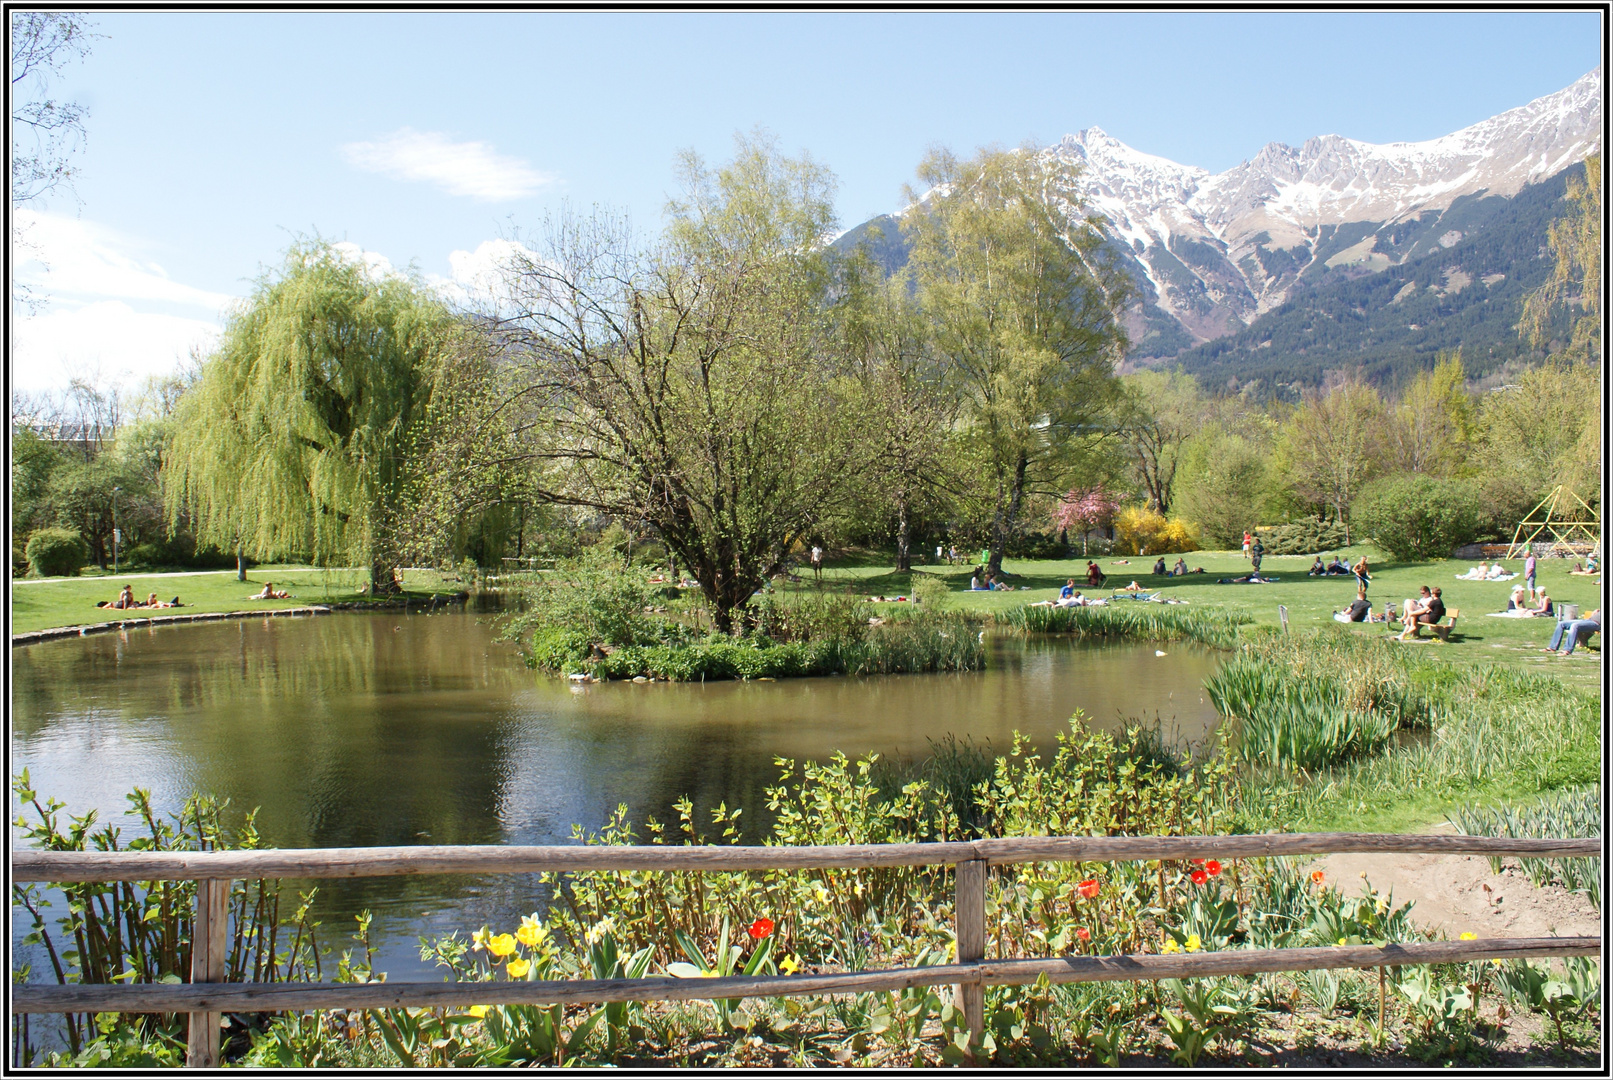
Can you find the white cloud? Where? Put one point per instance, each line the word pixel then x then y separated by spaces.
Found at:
pixel 61 256
pixel 473 169
pixel 480 279
pixel 107 311
pixel 107 337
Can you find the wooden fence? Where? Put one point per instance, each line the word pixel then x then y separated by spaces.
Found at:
pixel 206 997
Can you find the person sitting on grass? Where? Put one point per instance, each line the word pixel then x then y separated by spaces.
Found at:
pixel 1570 631
pixel 124 601
pixel 1317 569
pixel 1068 590
pixel 269 593
pixel 1432 610
pixel 1159 567
pixel 1358 611
pixel 1336 568
pixel 1180 569
pixel 1095 577
pixel 1542 605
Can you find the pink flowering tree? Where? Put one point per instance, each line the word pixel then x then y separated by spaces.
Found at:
pixel 1084 509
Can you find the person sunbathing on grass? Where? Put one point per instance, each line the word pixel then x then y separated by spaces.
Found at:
pixel 269 593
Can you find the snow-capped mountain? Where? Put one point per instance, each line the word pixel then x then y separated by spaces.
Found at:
pixel 1217 250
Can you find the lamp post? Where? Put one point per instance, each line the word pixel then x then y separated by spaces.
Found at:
pixel 117 534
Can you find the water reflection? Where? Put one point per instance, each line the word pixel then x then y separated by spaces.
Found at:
pixel 410 729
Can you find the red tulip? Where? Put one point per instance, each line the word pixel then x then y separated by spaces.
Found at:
pixel 1200 877
pixel 1196 862
pixel 1088 888
pixel 761 928
pixel 1084 934
pixel 1212 867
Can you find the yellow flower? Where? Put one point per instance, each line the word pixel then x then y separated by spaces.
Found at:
pixel 1171 946
pixel 502 945
pixel 478 940
pixel 1468 935
pixel 790 965
pixel 518 968
pixel 478 1011
pixel 529 935
pixel 1344 941
pixel 1193 943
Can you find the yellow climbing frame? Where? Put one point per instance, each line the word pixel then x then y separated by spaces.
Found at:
pixel 1575 528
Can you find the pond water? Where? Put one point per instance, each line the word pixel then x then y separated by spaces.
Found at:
pixel 365 729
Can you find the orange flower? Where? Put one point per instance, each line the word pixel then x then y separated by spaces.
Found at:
pixel 1084 934
pixel 1316 877
pixel 1088 888
pixel 1212 868
pixel 761 928
pixel 1199 877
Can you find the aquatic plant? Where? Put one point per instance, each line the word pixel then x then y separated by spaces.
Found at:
pixel 1133 620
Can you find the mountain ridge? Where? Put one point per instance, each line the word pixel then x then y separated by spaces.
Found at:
pixel 1212 253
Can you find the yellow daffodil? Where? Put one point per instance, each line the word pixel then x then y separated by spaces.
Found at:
pixel 1193 943
pixel 478 1011
pixel 1171 946
pixel 501 945
pixel 790 965
pixel 1468 935
pixel 518 968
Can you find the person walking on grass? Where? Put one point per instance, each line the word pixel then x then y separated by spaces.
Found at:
pixel 1362 577
pixel 817 563
pixel 1247 541
pixel 1257 551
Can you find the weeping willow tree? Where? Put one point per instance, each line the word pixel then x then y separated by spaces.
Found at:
pixel 292 442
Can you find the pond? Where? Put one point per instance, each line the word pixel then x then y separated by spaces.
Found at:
pixel 364 729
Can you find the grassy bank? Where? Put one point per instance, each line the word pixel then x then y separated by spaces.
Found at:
pixel 51 602
pixel 1478 640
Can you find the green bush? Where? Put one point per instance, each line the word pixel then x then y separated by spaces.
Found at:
pixel 1418 517
pixel 1306 537
pixel 54 552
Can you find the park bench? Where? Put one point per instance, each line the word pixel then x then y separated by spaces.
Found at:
pixel 1443 630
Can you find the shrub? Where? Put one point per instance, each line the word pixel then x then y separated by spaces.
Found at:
pixel 1306 537
pixel 1141 531
pixel 54 552
pixel 1418 517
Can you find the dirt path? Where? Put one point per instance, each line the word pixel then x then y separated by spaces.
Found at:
pixel 1457 893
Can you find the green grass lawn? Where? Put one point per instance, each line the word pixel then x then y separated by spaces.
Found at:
pixel 41 604
pixel 1310 601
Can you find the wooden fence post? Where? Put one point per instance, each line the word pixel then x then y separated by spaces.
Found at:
pixel 208 944
pixel 969 909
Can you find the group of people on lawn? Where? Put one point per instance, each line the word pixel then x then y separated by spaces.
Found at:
pixel 126 601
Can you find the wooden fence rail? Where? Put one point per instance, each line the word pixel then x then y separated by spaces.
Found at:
pixel 207 997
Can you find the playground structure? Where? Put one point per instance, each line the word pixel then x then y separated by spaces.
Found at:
pixel 1575 528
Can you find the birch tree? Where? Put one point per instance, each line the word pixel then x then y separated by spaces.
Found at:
pixel 1024 310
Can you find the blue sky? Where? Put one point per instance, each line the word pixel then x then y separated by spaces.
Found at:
pixel 215 138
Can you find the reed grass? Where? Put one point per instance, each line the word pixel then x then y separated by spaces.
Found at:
pixel 1308 701
pixel 1151 622
pixel 1570 813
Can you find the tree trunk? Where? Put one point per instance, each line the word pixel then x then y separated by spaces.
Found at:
pixel 1007 517
pixel 904 557
pixel 382 583
pixel 240 563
